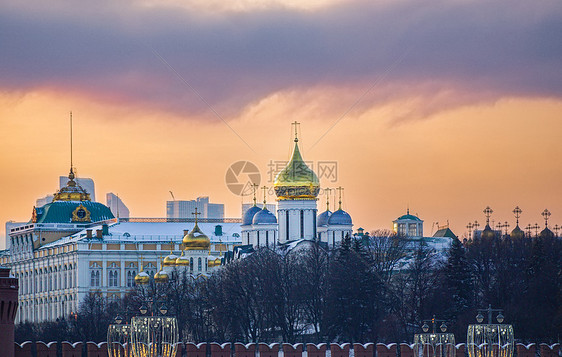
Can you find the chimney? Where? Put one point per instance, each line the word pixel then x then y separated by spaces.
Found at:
pixel 99 233
pixel 105 229
pixel 88 233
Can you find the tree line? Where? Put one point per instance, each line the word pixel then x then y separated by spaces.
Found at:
pixel 374 288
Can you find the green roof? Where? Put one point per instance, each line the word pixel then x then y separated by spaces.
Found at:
pixel 445 232
pixel 409 216
pixel 61 211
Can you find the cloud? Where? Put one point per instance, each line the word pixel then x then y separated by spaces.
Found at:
pixel 444 53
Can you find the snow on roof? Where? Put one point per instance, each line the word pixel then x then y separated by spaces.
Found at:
pixel 154 232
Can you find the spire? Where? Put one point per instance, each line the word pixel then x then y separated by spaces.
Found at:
pixel 196 214
pixel 340 189
pixel 408 209
pixel 488 212
pixel 546 215
pixel 255 186
pixel 328 198
pixel 264 196
pixel 517 212
pixel 296 124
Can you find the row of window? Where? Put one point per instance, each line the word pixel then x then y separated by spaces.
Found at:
pixel 46 309
pixel 46 279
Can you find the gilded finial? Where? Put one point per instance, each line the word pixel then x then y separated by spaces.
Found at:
pixel 196 214
pixel 546 215
pixel 340 189
pixel 296 123
pixel 488 212
pixel 517 212
pixel 255 186
pixel 264 196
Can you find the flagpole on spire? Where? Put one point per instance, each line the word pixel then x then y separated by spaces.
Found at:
pixel 71 141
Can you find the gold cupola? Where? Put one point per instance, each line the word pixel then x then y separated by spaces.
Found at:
pixel 182 260
pixel 72 191
pixel 142 277
pixel 196 239
pixel 170 259
pixel 162 275
pixel 296 181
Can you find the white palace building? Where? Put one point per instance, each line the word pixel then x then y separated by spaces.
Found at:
pixel 73 246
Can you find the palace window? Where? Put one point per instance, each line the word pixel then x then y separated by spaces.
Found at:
pixel 113 275
pixel 199 264
pixel 95 275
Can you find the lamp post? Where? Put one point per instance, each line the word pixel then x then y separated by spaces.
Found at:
pixel 152 333
pixel 490 339
pixel 434 344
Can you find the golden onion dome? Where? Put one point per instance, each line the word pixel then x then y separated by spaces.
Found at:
pixel 214 263
pixel 170 260
pixel 161 277
pixel 488 233
pixel 142 278
pixel 296 180
pixel 182 260
pixel 517 233
pixel 196 240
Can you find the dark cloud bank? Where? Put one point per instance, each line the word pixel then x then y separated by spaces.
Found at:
pixel 483 50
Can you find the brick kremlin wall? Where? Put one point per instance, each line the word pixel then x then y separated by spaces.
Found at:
pixel 91 349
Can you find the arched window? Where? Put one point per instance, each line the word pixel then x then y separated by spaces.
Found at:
pixel 206 264
pixel 95 275
pixel 131 278
pixel 191 265
pixel 113 275
pixel 199 263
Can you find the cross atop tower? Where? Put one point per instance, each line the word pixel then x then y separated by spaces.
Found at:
pixel 546 215
pixel 264 195
pixel 327 190
pixel 255 187
pixel 340 189
pixel 195 214
pixel 296 124
pixel 517 212
pixel 488 212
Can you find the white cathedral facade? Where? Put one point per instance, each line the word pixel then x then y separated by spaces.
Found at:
pixel 297 188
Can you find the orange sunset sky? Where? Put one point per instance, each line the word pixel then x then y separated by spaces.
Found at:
pixel 445 107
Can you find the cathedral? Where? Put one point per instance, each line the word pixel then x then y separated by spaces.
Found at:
pixel 296 188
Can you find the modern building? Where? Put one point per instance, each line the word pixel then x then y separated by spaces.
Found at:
pixel 40 202
pixel 116 205
pixel 185 209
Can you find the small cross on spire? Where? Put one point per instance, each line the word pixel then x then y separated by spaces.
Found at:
pixel 264 195
pixel 296 124
pixel 196 214
pixel 488 212
pixel 546 215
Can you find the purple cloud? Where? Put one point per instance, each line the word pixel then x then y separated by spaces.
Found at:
pixel 483 50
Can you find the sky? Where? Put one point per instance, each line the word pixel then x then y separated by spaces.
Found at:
pixel 444 107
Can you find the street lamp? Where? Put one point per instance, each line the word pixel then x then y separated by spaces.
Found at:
pixel 490 339
pixel 434 344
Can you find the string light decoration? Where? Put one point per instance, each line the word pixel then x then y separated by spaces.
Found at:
pixel 490 339
pixel 434 344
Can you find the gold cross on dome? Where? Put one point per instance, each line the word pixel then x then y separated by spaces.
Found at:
pixel 195 214
pixel 296 124
pixel 488 212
